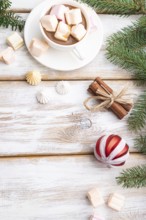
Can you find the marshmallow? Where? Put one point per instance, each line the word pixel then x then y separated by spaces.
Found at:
pixel 73 16
pixel 49 22
pixel 38 47
pixel 116 201
pixel 63 31
pixel 95 197
pixel 1 56
pixel 59 12
pixel 78 31
pixel 96 218
pixel 93 24
pixel 15 41
pixel 8 55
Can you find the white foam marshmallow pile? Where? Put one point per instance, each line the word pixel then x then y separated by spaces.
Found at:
pixel 64 22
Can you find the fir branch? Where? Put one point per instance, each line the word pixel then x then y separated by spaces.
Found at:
pixel 140 144
pixel 133 36
pixel 126 48
pixel 123 7
pixel 10 19
pixel 4 4
pixel 128 59
pixel 133 177
pixel 137 118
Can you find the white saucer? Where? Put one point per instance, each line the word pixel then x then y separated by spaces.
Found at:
pixel 59 60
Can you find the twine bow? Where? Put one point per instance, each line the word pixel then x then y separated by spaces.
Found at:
pixel 108 99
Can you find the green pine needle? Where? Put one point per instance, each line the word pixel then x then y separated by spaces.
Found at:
pixel 134 61
pixel 137 118
pixel 8 18
pixel 140 144
pixel 127 48
pixel 123 7
pixel 134 177
pixel 4 4
pixel 133 36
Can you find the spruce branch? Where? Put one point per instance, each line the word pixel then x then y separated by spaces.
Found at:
pixel 128 59
pixel 133 36
pixel 127 48
pixel 133 177
pixel 137 118
pixel 140 144
pixel 8 18
pixel 4 4
pixel 122 7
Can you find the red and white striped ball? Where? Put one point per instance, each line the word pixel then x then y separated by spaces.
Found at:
pixel 111 150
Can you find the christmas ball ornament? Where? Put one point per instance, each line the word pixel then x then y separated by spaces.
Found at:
pixel 111 150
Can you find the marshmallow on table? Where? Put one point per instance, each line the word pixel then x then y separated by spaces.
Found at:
pixel 63 31
pixel 15 41
pixel 73 16
pixel 95 197
pixel 96 218
pixel 116 201
pixel 78 31
pixel 38 47
pixel 8 55
pixel 49 22
pixel 59 12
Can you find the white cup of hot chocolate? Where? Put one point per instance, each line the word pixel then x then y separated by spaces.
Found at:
pixel 72 44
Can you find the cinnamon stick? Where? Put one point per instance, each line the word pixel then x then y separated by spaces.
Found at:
pixel 98 85
pixel 127 107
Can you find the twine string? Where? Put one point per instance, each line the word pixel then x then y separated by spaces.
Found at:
pixel 108 99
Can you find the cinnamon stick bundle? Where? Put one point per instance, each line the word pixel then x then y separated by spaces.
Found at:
pixel 121 110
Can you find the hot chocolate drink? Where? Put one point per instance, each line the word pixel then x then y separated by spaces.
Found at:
pixel 64 24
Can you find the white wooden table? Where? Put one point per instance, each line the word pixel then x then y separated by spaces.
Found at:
pixel 47 163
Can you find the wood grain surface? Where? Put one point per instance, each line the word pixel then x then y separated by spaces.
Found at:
pixel 61 126
pixel 46 151
pixel 54 188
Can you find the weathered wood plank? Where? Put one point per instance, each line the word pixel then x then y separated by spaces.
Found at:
pixel 25 4
pixel 55 188
pixel 100 66
pixel 62 127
